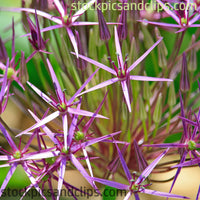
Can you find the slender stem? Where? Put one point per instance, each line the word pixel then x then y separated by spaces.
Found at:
pixel 169 119
pixel 155 130
pixel 145 130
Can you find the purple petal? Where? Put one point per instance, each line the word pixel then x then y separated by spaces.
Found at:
pixel 148 78
pixel 61 175
pixel 81 88
pixel 150 168
pixel 82 10
pixel 8 138
pixel 32 179
pixel 59 7
pixel 45 128
pixel 188 163
pixel 73 40
pixel 41 13
pixel 197 197
pixel 101 85
pixel 118 50
pixel 98 64
pixel 82 170
pixel 41 122
pixel 8 176
pixel 84 113
pixel 141 58
pixel 161 24
pixel 65 129
pixel 168 11
pixel 84 23
pixel 123 162
pixel 163 194
pixel 166 145
pixel 117 185
pixel 126 94
pixel 57 87
pixel 73 126
pixel 41 94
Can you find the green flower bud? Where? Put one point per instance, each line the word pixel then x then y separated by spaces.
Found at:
pixel 142 111
pixel 171 95
pixel 50 160
pixel 158 110
pixel 146 91
pixel 79 135
pixel 191 145
pixel 10 72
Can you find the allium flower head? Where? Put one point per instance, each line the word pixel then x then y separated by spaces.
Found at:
pixel 122 71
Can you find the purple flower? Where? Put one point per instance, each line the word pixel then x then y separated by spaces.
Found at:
pixel 182 16
pixel 61 105
pixel 137 185
pixel 187 145
pixel 122 72
pixel 66 20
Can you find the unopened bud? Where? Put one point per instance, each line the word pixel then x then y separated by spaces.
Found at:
pixel 158 110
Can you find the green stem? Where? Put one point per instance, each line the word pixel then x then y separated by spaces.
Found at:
pixel 169 119
pixel 145 130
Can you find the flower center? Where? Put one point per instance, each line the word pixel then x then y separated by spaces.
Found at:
pixel 45 178
pixel 79 136
pixel 50 160
pixel 10 72
pixel 66 151
pixel 184 21
pixel 191 145
pixel 17 154
pixel 62 107
pixel 67 19
pixel 135 187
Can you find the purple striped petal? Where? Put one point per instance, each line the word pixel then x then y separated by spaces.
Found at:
pixel 41 122
pixel 166 145
pixel 42 95
pixel 8 138
pixel 73 40
pixel 163 194
pixel 57 87
pixel 8 176
pixel 59 7
pixel 117 185
pixel 84 113
pixel 61 175
pixel 118 50
pixel 65 129
pixel 148 78
pixel 101 85
pixel 123 162
pixel 98 64
pixel 197 197
pixel 126 94
pixel 81 88
pixel 141 58
pixel 82 10
pixel 150 168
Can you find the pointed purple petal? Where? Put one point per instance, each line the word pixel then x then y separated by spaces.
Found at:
pixel 197 197
pixel 84 113
pixel 150 168
pixel 163 194
pixel 101 85
pixel 141 58
pixel 41 122
pixel 59 7
pixel 123 162
pixel 148 78
pixel 166 145
pixel 57 87
pixel 126 94
pixel 8 176
pixel 45 128
pixel 117 185
pixel 118 50
pixel 65 129
pixel 98 64
pixel 82 10
pixel 81 88
pixel 8 138
pixel 41 94
pixel 61 175
pixel 82 170
pixel 73 40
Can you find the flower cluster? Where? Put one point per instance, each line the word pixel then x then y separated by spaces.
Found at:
pixel 105 105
